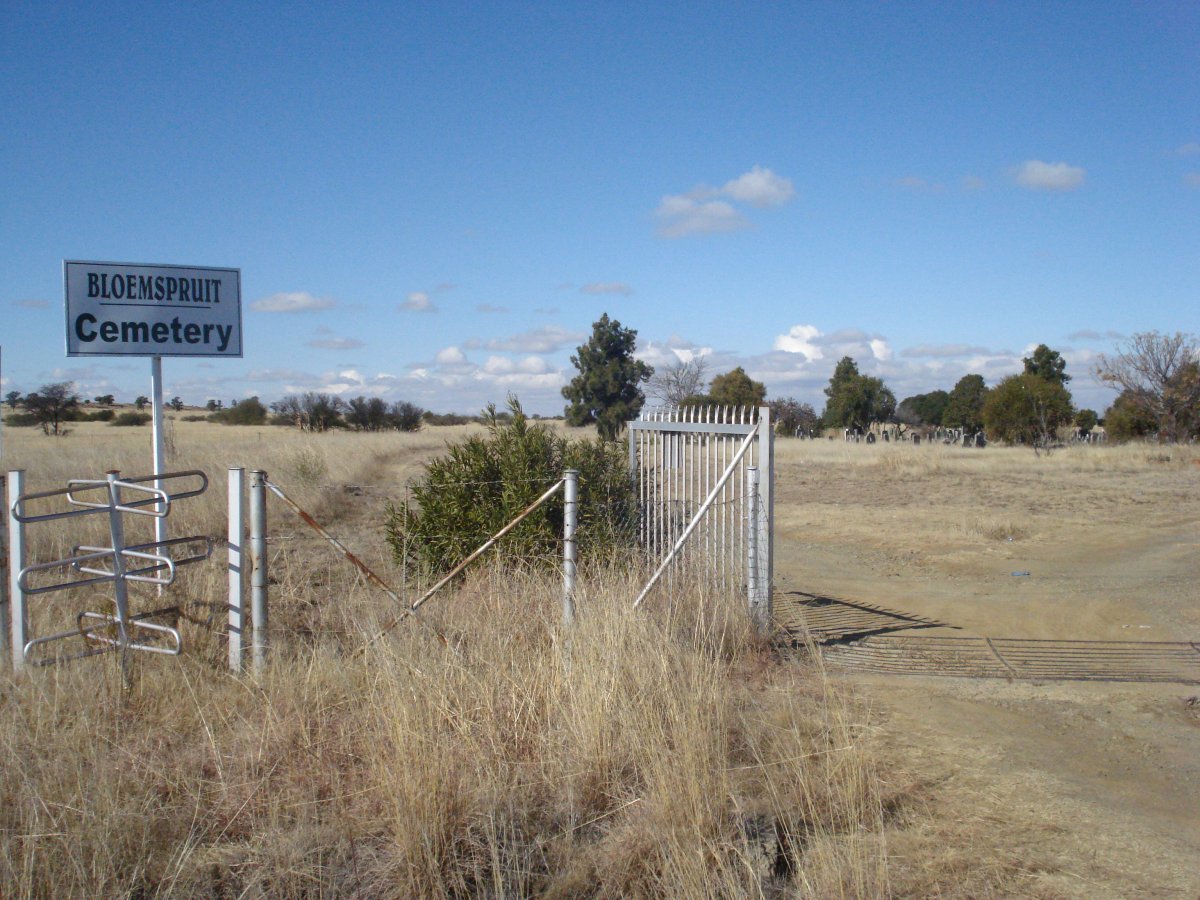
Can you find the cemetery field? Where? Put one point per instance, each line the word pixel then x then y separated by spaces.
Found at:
pixel 671 753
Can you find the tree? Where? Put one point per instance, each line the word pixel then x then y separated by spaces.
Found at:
pixel 12 398
pixel 311 411
pixel 367 414
pixel 1027 409
pixel 855 401
pixel 793 418
pixel 1126 419
pixel 141 402
pixel 52 404
pixel 1159 379
pixel 607 389
pixel 923 409
pixel 964 406
pixel 176 403
pixel 675 383
pixel 106 399
pixel 1048 364
pixel 214 405
pixel 406 416
pixel 1085 420
pixel 736 388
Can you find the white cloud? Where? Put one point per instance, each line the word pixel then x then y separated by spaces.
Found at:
pixel 702 211
pixel 488 309
pixel 296 302
pixel 681 215
pixel 418 301
pixel 607 287
pixel 943 351
pixel 760 187
pixel 33 304
pixel 450 356
pixel 973 183
pixel 674 350
pixel 548 339
pixel 1043 176
pixel 800 339
pixel 335 343
pixel 880 349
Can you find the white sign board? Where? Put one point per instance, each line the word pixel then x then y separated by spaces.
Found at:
pixel 130 309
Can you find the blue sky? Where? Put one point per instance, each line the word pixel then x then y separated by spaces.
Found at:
pixel 433 202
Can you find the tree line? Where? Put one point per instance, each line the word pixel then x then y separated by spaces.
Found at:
pixel 1157 376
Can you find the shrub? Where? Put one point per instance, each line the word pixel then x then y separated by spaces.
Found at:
pixel 129 417
pixel 250 411
pixel 102 415
pixel 21 420
pixel 483 483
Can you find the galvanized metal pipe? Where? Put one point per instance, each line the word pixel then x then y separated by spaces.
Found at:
pixel 237 555
pixel 18 620
pixel 570 522
pixel 258 575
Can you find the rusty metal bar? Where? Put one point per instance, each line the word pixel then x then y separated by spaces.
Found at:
pixel 315 526
pixel 490 542
pixel 411 611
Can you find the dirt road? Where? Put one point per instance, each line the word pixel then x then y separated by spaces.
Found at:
pixel 1048 788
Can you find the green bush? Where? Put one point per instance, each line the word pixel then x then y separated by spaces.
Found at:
pixel 129 417
pixel 483 483
pixel 21 420
pixel 102 415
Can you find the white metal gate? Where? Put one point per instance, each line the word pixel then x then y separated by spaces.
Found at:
pixel 705 480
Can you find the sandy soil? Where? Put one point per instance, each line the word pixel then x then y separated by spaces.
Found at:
pixel 1038 788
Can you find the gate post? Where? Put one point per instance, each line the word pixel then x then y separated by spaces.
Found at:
pixel 18 622
pixel 237 557
pixel 754 585
pixel 570 522
pixel 766 464
pixel 4 608
pixel 258 577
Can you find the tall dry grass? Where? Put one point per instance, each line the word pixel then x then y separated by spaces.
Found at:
pixel 659 754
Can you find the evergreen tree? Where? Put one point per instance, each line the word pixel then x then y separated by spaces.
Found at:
pixel 964 408
pixel 854 400
pixel 736 388
pixel 607 389
pixel 1048 364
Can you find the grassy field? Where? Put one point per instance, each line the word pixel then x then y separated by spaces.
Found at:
pixel 665 754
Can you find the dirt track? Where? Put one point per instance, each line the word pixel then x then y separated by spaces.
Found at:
pixel 1083 789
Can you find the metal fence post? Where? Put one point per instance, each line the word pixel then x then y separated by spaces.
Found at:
pixel 570 522
pixel 4 609
pixel 18 621
pixel 258 561
pixel 753 581
pixel 237 594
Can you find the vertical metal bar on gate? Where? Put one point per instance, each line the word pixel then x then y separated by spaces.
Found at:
pixel 237 558
pixel 258 575
pixel 570 522
pixel 18 619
